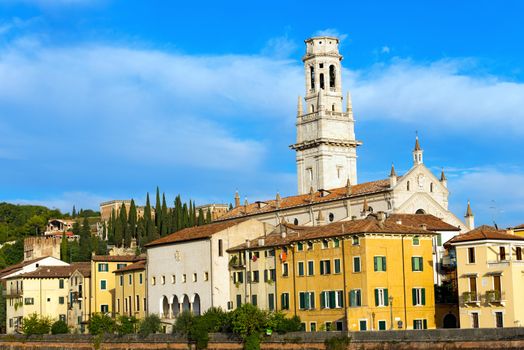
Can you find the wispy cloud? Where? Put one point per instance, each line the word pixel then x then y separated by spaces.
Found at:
pixel 331 32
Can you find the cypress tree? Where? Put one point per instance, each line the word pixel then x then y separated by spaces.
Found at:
pixel 185 216
pixel 111 228
pixel 165 217
pixel 209 218
pixel 200 217
pixel 85 241
pixel 158 210
pixel 132 220
pixel 73 214
pixel 190 213
pixel 64 249
pixel 141 236
pixel 150 231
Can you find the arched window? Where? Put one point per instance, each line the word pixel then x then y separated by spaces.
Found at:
pixel 331 217
pixel 332 76
pixel 370 209
pixel 431 187
pixel 312 108
pixel 420 211
pixel 333 107
pixel 295 221
pixel 312 75
pixel 322 81
pixel 407 186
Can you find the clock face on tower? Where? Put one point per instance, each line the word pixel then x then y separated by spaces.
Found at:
pixel 421 180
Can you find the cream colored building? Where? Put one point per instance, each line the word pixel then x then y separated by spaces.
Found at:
pixel 79 297
pixel 130 290
pixel 490 267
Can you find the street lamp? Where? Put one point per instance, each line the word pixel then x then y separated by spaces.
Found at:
pixel 391 312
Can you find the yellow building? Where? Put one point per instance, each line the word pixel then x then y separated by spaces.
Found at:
pixel 130 290
pixel 369 274
pixel 489 278
pixel 103 280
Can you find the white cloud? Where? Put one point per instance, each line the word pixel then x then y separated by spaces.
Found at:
pixel 331 32
pixel 385 49
pixel 279 47
pixel 438 94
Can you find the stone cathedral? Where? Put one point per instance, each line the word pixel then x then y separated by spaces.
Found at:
pixel 326 157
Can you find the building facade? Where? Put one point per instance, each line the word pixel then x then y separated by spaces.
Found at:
pixel 489 278
pixel 79 301
pixel 130 290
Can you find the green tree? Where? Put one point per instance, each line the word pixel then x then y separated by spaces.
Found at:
pixel 209 218
pixel 121 227
pixel 150 324
pixel 85 241
pixel 73 214
pixel 201 219
pixel 126 325
pixel 35 324
pixel 149 223
pixel 164 229
pixel 59 327
pixel 158 210
pixel 132 223
pixel 64 249
pixel 100 323
pixel 13 253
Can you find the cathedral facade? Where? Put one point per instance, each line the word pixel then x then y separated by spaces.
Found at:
pixel 326 157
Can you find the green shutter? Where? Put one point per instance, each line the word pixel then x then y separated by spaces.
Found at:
pixel 302 300
pixel 337 265
pixel 376 297
pixel 414 296
pixel 383 263
pixel 282 305
pixel 340 295
pixel 439 240
pixel 332 299
pixel 386 298
pixel 352 298
pixel 414 324
pixel 423 291
pixel 321 267
pixel 413 268
pixel 421 265
pixel 312 300
pixel 375 263
pixel 425 324
pixel 359 298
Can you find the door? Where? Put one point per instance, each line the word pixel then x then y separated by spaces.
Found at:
pixel 381 325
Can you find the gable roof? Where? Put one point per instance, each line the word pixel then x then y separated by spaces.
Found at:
pixel 519 227
pixel 482 233
pixel 115 258
pixel 432 222
pixel 194 233
pixel 139 265
pixel 56 271
pixel 370 224
pixel 16 267
pixel 306 199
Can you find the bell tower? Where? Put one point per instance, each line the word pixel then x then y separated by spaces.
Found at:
pixel 326 148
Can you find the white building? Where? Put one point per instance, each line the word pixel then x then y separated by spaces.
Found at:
pixel 189 269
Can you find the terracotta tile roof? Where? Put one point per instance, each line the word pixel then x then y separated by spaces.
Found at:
pixel 13 268
pixel 56 271
pixel 484 232
pixel 115 258
pixel 305 199
pixel 294 233
pixel 519 227
pixel 194 233
pixel 416 220
pixel 139 265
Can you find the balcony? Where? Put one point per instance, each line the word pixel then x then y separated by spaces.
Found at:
pixel 236 263
pixel 471 298
pixel 494 297
pixel 12 293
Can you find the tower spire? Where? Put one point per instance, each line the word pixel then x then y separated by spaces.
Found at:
pixel 417 152
pixel 392 177
pixel 470 218
pixel 443 179
pixel 349 103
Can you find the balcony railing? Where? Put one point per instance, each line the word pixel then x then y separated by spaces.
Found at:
pixel 12 293
pixel 494 297
pixel 470 298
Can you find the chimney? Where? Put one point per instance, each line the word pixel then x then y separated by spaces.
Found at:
pixel 470 218
pixel 381 216
pixel 278 201
pixel 248 243
pixel 424 227
pixel 392 177
pixel 320 218
pixel 349 189
pixel 261 242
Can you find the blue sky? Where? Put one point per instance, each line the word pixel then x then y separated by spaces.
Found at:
pixel 108 99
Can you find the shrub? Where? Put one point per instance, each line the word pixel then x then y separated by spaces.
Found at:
pixel 183 324
pixel 252 342
pixel 337 343
pixel 126 325
pixel 215 320
pixel 101 323
pixel 34 324
pixel 199 332
pixel 248 320
pixel 280 324
pixel 59 327
pixel 149 325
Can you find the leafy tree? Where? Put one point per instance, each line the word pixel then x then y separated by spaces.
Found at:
pixel 100 323
pixel 73 214
pixel 13 253
pixel 149 325
pixel 64 249
pixel 2 310
pixel 59 327
pixel 183 324
pixel 126 325
pixel 85 241
pixel 35 324
pixel 248 320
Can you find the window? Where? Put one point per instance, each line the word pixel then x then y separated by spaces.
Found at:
pixel 363 325
pixel 103 267
pixel 103 284
pixel 309 245
pixel 356 264
pixel 336 243
pixel 284 301
pixel 416 240
pixel 121 280
pixel 153 281
pixel 206 276
pixel 381 297
pixel 473 288
pixel 173 279
pixel 331 215
pixel 474 320
pixel 29 301
pixel 163 279
pixel 407 186
pixel 336 262
pixel 254 300
pixel 271 252
pixel 431 187
pixel 312 76
pixel 306 300
pixel 331 299
pixel 301 268
pixel 418 296
pixel 355 298
pixel 62 317
pixel 325 244
pixel 332 76
pixel 256 276
pixel 499 319
pixel 220 248
pixel 325 267
pixel 338 325
pixel 240 277
pixel 184 278
pixel 239 300
pixel 104 308
pixel 295 221
pixel 502 253
pixel 271 301
pixel 61 300
pixel 416 263
pixel 137 303
pixel 382 325
pixel 130 279
pixel 310 268
pixel 313 326
pixel 379 263
pixel 518 253
pixel 300 246
pixel 61 283
pixel 140 278
pixel 420 324
pixel 355 240
pixel 285 270
pixel 322 81
pixel 471 255
pixel 120 266
pixel 195 277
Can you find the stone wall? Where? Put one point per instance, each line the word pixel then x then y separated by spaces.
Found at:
pixel 444 339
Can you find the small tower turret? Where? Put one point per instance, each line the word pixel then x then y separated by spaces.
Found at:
pixel 443 179
pixel 237 200
pixel 417 153
pixel 470 218
pixel 392 177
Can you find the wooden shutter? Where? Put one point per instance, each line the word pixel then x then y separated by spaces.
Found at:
pixel 376 297
pixel 386 300
pixel 423 297
pixel 414 296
